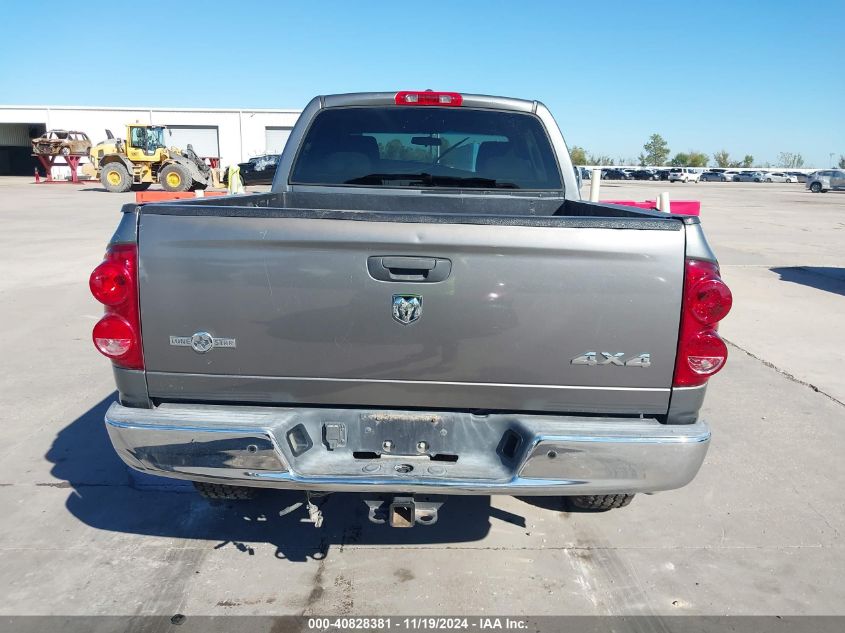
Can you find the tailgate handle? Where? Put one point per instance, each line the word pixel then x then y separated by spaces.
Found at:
pixel 416 269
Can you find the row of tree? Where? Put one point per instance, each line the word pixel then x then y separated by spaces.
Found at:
pixel 656 153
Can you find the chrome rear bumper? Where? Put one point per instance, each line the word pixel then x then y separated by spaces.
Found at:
pixel 463 453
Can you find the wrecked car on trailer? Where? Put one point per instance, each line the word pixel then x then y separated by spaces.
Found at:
pixel 62 142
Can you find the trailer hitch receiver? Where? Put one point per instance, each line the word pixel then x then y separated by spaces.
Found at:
pixel 404 512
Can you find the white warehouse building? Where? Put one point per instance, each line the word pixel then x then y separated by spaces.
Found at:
pixel 232 135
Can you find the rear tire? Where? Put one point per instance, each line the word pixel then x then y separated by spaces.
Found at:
pixel 816 187
pixel 175 178
pixel 115 178
pixel 224 491
pixel 598 503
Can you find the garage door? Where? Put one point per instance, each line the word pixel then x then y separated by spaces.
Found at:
pixel 203 139
pixel 15 148
pixel 276 139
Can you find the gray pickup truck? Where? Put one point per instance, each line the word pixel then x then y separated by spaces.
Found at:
pixel 422 306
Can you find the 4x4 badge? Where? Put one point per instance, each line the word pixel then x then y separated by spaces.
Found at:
pixel 612 358
pixel 202 342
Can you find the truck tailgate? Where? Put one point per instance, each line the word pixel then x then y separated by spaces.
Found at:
pixel 297 316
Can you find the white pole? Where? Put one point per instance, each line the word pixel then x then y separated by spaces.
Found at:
pixel 595 185
pixel 663 202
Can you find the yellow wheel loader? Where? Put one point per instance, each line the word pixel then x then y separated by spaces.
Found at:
pixel 143 159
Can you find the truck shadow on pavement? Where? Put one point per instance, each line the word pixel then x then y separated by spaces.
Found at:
pixel 104 497
pixel 829 279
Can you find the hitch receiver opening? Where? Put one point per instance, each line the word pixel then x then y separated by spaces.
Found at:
pixel 404 512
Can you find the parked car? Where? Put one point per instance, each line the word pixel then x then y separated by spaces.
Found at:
pixel 826 180
pixel 749 176
pixel 713 176
pixel 62 142
pixel 662 174
pixel 643 174
pixel 684 174
pixel 730 175
pixel 779 176
pixel 799 176
pixel 344 332
pixel 615 174
pixel 256 171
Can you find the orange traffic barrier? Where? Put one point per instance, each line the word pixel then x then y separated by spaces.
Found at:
pixel 679 207
pixel 142 197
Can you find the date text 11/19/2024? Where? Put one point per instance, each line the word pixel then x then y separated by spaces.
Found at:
pixel 417 623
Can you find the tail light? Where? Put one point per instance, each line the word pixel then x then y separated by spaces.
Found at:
pixel 707 300
pixel 114 283
pixel 429 98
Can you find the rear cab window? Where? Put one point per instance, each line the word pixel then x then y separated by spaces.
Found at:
pixel 426 147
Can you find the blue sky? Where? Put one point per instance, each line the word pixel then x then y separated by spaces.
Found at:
pixel 750 77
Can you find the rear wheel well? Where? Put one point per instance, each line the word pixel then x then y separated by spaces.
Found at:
pixel 108 159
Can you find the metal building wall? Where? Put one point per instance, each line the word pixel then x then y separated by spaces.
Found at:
pixel 241 133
